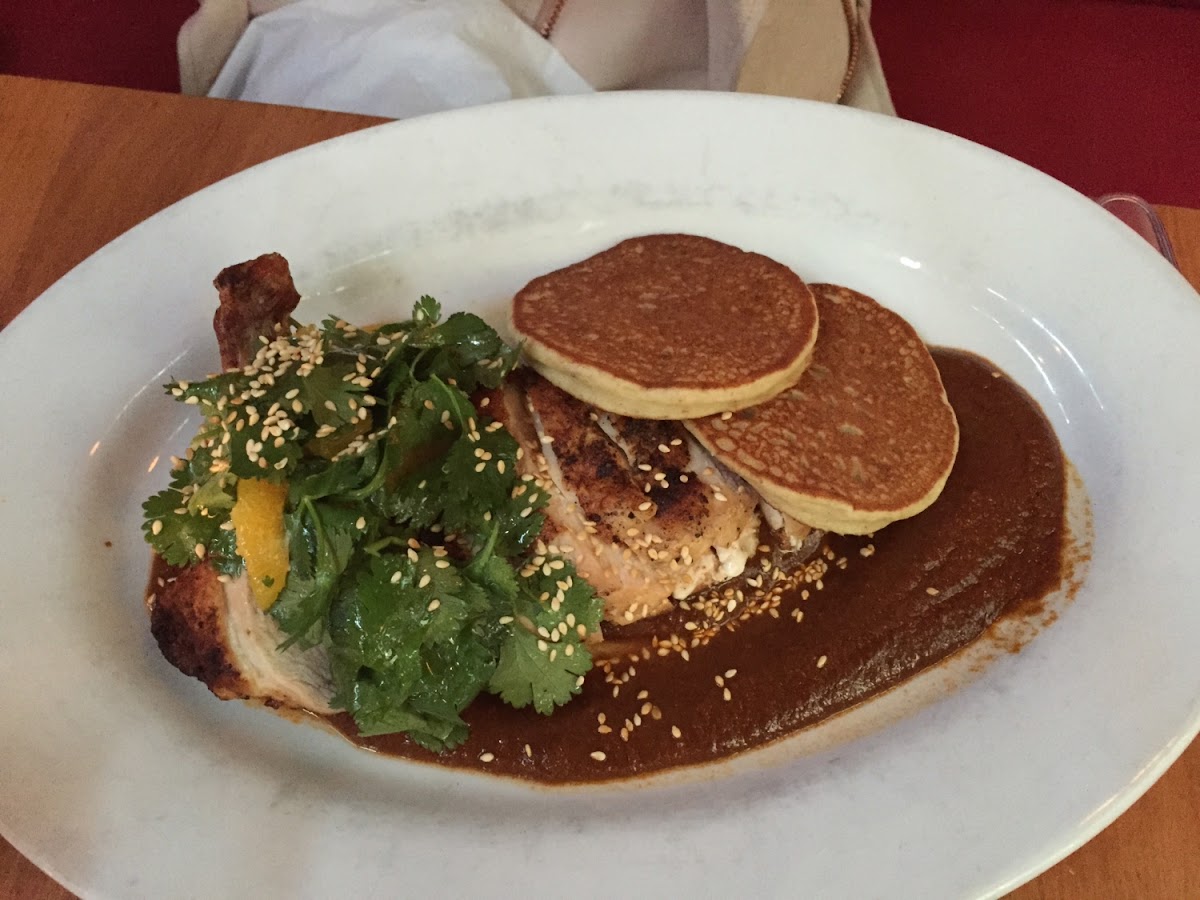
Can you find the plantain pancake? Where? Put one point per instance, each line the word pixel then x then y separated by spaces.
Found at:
pixel 669 326
pixel 864 438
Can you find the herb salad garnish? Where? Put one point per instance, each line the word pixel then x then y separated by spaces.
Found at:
pixel 410 534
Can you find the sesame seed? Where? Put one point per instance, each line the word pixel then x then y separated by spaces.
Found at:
pixel 931 591
pixel 528 751
pixel 505 620
pixel 727 695
pixel 598 755
pixel 425 579
pixel 361 523
pixel 663 448
pixel 821 662
pixel 200 550
pixel 157 527
pixel 486 757
pixel 729 673
pixel 396 576
pixel 726 416
pixel 442 564
pixel 675 732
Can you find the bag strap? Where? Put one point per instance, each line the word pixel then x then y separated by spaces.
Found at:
pixel 803 48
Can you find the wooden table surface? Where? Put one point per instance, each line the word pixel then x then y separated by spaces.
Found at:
pixel 81 164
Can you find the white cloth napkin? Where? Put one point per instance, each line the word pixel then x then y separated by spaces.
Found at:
pixel 395 58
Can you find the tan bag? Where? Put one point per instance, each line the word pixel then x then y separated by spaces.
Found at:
pixel 819 50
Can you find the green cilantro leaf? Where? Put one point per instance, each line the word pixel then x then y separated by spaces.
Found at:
pixel 404 647
pixel 544 657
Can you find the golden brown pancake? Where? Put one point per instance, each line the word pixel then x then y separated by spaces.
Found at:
pixel 864 438
pixel 669 326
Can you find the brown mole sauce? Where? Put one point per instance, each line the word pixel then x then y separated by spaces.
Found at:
pixel 906 598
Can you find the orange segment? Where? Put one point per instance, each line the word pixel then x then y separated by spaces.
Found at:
pixel 257 518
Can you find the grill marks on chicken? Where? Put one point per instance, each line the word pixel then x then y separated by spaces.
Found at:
pixel 643 511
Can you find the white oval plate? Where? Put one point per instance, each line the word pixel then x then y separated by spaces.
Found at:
pixel 124 779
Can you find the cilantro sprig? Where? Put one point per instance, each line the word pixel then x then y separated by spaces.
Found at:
pixel 411 533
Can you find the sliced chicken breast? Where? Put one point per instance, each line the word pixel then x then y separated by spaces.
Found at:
pixel 641 509
pixel 214 631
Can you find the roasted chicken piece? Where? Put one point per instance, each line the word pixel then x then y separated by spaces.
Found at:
pixel 215 632
pixel 212 629
pixel 644 512
pixel 255 297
